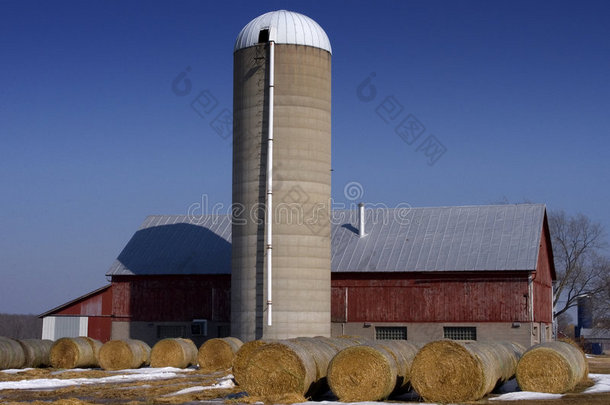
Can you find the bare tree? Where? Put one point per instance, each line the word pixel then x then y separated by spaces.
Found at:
pixel 565 325
pixel 18 326
pixel 581 269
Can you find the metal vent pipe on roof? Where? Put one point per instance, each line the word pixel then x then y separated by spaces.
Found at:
pixel 361 231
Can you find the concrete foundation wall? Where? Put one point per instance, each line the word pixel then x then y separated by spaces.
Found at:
pixel 149 332
pixel 526 334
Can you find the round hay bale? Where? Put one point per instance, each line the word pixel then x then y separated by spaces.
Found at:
pixel 321 351
pixel 582 352
pixel 146 352
pixel 404 352
pixel 37 352
pixel 373 371
pixel 508 354
pixel 217 354
pixel 242 358
pixel 338 343
pixel 280 368
pixel 363 373
pixel 73 352
pixel 123 354
pixel 96 346
pixel 553 367
pixel 449 371
pixel 11 354
pixel 173 352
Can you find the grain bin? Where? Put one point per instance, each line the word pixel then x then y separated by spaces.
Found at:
pixel 281 105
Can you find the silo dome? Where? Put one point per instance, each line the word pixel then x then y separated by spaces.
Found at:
pixel 285 27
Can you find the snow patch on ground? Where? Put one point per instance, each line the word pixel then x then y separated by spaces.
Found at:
pixel 15 370
pixel 514 396
pixel 602 383
pixel 151 370
pixel 225 382
pixel 53 383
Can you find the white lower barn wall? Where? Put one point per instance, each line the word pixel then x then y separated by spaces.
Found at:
pixel 525 333
pixel 57 327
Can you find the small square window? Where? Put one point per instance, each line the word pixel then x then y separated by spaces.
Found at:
pixel 460 332
pixel 391 333
pixel 199 327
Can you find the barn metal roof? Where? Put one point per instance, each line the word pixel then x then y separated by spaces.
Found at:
pixel 177 244
pixel 285 27
pixel 469 238
pixel 472 238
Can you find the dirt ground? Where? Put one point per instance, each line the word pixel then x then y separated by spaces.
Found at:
pixel 156 391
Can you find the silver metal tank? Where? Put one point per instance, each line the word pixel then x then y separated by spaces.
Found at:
pixel 282 75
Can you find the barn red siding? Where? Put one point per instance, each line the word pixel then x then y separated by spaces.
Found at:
pixel 412 297
pixel 94 305
pixel 543 279
pixel 172 298
pixel 99 328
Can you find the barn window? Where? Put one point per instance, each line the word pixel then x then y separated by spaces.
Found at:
pixel 199 327
pixel 391 333
pixel 171 331
pixel 460 332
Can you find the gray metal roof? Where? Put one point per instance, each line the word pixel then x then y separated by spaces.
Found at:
pixel 470 238
pixel 177 244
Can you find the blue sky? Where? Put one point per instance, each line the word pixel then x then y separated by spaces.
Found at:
pixel 93 139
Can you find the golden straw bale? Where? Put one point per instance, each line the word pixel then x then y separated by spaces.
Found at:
pixel 404 352
pixel 321 352
pixel 73 352
pixel 96 346
pixel 11 354
pixel 242 358
pixel 123 354
pixel 363 373
pixel 338 343
pixel 173 352
pixel 145 348
pixel 509 354
pixel 553 367
pixel 217 354
pixel 582 353
pixel 450 371
pixel 278 368
pixel 37 352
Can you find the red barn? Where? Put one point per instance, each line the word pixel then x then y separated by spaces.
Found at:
pixel 469 273
pixel 89 315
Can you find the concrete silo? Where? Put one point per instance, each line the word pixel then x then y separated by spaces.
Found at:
pixel 281 104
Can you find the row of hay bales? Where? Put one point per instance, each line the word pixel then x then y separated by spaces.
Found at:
pixel 441 371
pixel 24 353
pixel 85 352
